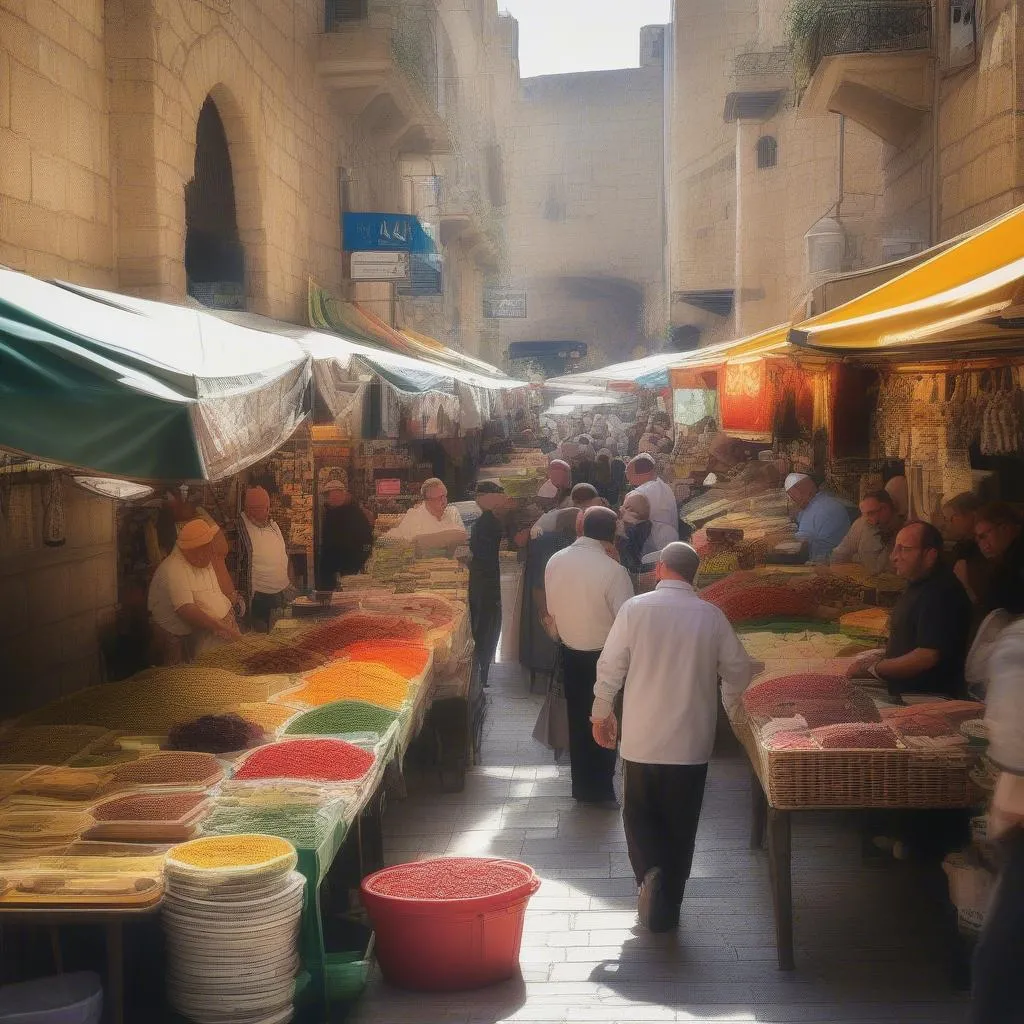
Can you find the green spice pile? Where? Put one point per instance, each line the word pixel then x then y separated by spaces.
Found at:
pixel 342 717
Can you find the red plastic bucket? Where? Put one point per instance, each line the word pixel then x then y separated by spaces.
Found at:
pixel 449 923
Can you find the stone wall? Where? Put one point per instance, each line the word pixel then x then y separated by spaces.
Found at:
pixel 53 600
pixel 586 223
pixel 55 169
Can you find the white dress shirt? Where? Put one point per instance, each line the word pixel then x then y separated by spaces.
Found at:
pixel 584 588
pixel 668 649
pixel 1004 712
pixel 664 512
pixel 419 521
pixel 269 569
pixel 177 583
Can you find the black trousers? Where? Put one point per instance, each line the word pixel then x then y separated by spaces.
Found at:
pixel 592 766
pixel 998 981
pixel 484 620
pixel 261 608
pixel 660 812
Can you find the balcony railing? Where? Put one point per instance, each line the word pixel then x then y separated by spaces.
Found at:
pixel 413 36
pixel 861 26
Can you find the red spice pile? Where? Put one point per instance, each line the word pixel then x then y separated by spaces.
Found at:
pixel 450 878
pixel 347 630
pixel 754 603
pixel 321 760
pixel 764 698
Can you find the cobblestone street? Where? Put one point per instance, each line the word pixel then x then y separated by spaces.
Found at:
pixel 872 944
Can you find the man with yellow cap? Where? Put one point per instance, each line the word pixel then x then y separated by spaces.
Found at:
pixel 189 609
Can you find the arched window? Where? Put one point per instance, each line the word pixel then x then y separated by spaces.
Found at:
pixel 767 152
pixel 214 259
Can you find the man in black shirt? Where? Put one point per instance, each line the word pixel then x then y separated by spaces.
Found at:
pixel 346 537
pixel 929 625
pixel 1000 536
pixel 969 565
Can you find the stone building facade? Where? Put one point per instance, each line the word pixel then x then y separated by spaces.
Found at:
pixel 752 174
pixel 587 219
pixel 168 147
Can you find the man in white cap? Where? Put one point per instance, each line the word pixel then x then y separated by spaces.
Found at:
pixel 822 519
pixel 433 521
pixel 642 474
pixel 346 536
pixel 190 611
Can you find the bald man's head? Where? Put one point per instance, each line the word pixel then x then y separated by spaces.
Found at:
pixel 600 523
pixel 678 561
pixel 257 505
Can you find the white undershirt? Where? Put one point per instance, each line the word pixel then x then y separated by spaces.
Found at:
pixel 269 557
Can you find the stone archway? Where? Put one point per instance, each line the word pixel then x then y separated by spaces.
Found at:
pixel 214 255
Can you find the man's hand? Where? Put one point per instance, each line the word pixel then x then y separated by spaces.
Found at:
pixel 861 666
pixel 228 630
pixel 550 628
pixel 606 731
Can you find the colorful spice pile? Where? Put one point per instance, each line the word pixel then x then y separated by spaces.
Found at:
pixel 323 760
pixel 406 659
pixel 855 736
pixel 270 717
pixel 761 602
pixel 53 745
pixel 450 878
pixel 341 717
pixel 349 629
pixel 170 769
pixel 215 734
pixel 63 783
pixel 866 622
pixel 363 681
pixel 148 807
pixel 220 853
pixel 763 697
pixel 306 827
pixel 291 660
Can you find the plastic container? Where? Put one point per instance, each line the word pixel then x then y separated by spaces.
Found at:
pixel 449 944
pixel 64 999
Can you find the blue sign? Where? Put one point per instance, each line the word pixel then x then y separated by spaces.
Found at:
pixel 385 232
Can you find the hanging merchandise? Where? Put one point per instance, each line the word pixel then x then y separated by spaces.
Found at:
pixel 1001 421
pixel 53 517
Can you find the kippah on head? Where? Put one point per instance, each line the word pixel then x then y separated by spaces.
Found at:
pixel 644 463
pixel 681 559
pixel 600 523
pixel 583 492
pixel 793 479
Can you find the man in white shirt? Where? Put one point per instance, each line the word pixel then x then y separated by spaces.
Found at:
pixel 642 474
pixel 584 588
pixel 433 521
pixel 667 648
pixel 190 611
pixel 266 558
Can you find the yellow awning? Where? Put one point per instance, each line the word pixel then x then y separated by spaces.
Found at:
pixel 774 341
pixel 962 294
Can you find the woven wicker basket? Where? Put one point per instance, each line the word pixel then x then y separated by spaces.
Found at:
pixel 829 779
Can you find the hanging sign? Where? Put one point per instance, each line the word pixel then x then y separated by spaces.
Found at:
pixel 504 304
pixel 379 266
pixel 385 232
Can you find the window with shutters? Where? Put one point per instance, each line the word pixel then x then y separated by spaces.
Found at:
pixel 767 152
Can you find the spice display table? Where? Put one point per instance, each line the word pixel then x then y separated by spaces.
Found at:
pixel 787 782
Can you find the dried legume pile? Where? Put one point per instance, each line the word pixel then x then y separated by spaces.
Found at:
pixel 170 768
pixel 236 851
pixel 233 656
pixel 819 711
pixel 148 807
pixel 322 760
pixel 407 659
pixel 269 717
pixel 285 659
pixel 363 681
pixel 54 745
pixel 871 621
pixel 922 725
pixel 306 827
pixel 450 878
pixel 762 698
pixel 856 736
pixel 343 716
pixel 215 734
pixel 340 633
pixel 792 740
pixel 759 602
pixel 956 712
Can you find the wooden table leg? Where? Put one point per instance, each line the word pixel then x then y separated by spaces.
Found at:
pixel 115 973
pixel 779 861
pixel 758 813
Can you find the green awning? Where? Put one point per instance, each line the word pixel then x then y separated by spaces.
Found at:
pixel 138 389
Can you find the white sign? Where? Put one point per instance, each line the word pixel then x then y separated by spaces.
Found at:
pixel 379 266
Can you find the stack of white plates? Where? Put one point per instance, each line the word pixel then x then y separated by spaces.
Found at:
pixel 232 937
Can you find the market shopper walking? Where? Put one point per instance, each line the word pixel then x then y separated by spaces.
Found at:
pixel 584 589
pixel 642 473
pixel 998 982
pixel 667 649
